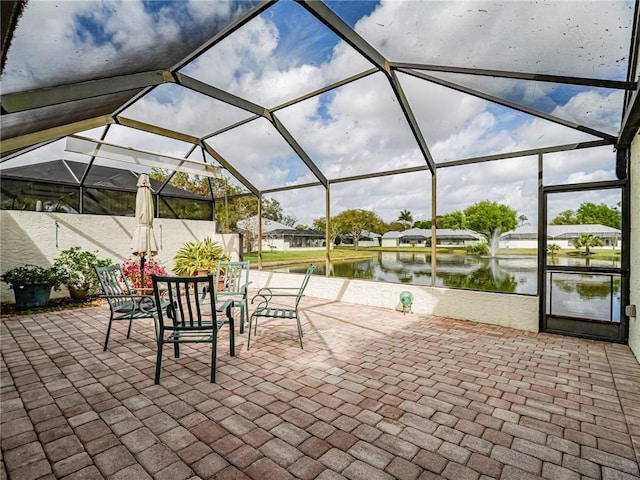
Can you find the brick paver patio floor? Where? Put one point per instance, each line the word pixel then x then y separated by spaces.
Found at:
pixel 375 394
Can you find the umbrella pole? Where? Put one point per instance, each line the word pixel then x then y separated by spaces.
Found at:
pixel 142 261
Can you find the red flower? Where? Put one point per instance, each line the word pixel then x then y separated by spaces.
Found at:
pixel 131 270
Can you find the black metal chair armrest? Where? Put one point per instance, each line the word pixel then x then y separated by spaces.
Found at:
pixel 224 305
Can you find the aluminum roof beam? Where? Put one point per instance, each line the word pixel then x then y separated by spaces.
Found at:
pixel 538 77
pixel 506 103
pixel 227 166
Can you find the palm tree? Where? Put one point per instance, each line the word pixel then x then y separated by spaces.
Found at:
pixel 553 248
pixel 406 218
pixel 588 240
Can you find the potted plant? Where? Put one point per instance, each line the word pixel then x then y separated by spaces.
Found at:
pixel 198 257
pixel 131 270
pixel 76 268
pixel 32 284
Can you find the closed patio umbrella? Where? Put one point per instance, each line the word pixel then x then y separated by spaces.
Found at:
pixel 144 241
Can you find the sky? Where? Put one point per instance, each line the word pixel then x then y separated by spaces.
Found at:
pixel 360 128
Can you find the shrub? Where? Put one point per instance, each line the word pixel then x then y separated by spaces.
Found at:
pixel 76 266
pixel 131 270
pixel 33 274
pixel 478 249
pixel 198 255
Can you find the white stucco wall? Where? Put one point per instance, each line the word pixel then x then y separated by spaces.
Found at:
pixel 634 286
pixel 30 237
pixel 508 310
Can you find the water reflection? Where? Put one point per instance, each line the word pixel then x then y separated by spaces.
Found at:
pixel 596 297
pixel 502 274
pixel 584 296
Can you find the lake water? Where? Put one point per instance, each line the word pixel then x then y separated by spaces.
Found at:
pixel 581 296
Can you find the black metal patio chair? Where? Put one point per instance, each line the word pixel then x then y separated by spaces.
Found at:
pixel 188 314
pixel 271 295
pixel 124 303
pixel 232 279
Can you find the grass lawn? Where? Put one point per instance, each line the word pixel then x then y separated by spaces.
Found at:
pixel 348 253
pixel 312 256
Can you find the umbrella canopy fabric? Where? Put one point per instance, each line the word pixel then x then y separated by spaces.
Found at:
pixel 144 241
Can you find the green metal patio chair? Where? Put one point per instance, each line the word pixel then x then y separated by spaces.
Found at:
pixel 124 304
pixel 232 279
pixel 267 309
pixel 189 316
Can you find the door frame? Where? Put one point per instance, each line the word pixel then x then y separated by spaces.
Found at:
pixel 577 327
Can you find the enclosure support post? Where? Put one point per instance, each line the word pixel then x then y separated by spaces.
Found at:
pixel 327 232
pixel 434 240
pixel 259 231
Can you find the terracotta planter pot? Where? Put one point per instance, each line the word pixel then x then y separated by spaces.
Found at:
pixel 78 293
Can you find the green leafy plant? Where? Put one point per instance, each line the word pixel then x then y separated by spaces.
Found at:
pixel 478 249
pixel 553 248
pixel 76 267
pixel 588 240
pixel 33 275
pixel 198 255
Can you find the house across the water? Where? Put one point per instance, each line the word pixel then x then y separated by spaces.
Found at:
pixel 526 236
pixel 420 237
pixel 279 237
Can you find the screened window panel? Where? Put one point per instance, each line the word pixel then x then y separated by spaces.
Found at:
pixel 109 202
pixel 183 110
pixel 280 55
pixel 579 166
pixel 109 39
pixel 25 195
pixel 571 38
pixel 185 208
pixel 362 127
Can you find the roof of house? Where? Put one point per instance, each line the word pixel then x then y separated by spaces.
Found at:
pixel 273 228
pixel 68 172
pixel 441 233
pixel 560 231
pixel 292 232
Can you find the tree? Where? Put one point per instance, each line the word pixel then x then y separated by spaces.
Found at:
pixel 191 183
pixel 288 220
pixel 553 248
pixel 490 218
pixel 357 222
pixel 590 213
pixel 395 226
pixel 425 224
pixel 522 218
pixel 406 218
pixel 588 240
pixel 321 225
pixel 454 220
pixel 568 217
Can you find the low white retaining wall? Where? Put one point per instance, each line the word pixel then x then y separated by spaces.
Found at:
pixel 507 310
pixel 39 237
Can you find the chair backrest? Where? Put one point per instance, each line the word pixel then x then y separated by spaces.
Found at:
pixel 112 280
pixel 114 285
pixel 235 277
pixel 183 308
pixel 305 281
